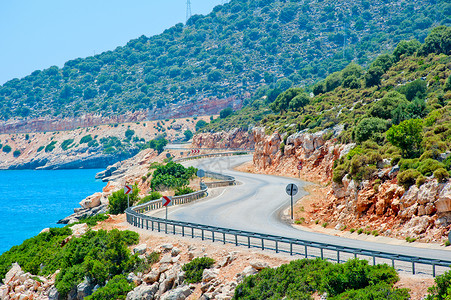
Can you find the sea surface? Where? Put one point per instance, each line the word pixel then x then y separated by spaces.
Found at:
pixel 31 200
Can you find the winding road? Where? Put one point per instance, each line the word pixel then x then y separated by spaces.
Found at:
pixel 256 204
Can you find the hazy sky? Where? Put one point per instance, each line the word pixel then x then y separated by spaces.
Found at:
pixel 37 34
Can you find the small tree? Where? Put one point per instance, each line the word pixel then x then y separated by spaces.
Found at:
pixel 407 136
pixel 225 112
pixel 118 200
pixel 188 135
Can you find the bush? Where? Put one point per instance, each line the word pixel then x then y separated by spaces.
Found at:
pixel 16 153
pixel 441 174
pixel 66 144
pixel 183 190
pixel 380 291
pixel 7 148
pixel 339 173
pixel 194 269
pixel 86 139
pixel 92 221
pixel 50 146
pixel 428 166
pixel 200 124
pixel 407 136
pixel 171 175
pixel 370 129
pixel 420 181
pixel 408 178
pixel 442 288
pixel 300 278
pixel 116 288
pixel 129 133
pixel 118 201
pixel 152 196
pixel 225 112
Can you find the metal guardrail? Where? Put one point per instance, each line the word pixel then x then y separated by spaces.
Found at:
pixel 136 217
pixel 284 244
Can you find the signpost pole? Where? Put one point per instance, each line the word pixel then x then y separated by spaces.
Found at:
pixel 128 200
pixel 291 207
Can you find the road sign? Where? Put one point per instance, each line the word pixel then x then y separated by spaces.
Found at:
pixel 128 189
pixel 200 173
pixel 166 200
pixel 195 151
pixel 291 189
pixel 299 167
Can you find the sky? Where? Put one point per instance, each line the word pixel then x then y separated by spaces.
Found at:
pixel 37 34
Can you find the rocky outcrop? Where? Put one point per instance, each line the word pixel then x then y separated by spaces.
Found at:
pixel 233 139
pixel 423 213
pixel 23 285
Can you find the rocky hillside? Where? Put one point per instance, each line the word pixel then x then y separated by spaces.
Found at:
pixel 217 60
pixel 379 139
pixel 92 147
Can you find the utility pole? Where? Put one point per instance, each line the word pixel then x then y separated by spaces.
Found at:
pixel 188 10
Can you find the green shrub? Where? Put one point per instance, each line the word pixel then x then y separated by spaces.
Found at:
pixel 66 144
pixel 153 258
pixel 116 288
pixel 183 190
pixel 7 148
pixel 408 178
pixel 442 288
pixel 428 166
pixel 420 181
pixel 195 268
pixel 40 148
pixel 377 292
pixel 441 174
pixel 92 221
pixel 118 200
pixel 152 196
pixel 86 139
pixel 339 172
pixel 50 146
pixel 407 136
pixel 171 175
pixel 16 153
pixel 352 230
pixel 129 133
pixel 370 129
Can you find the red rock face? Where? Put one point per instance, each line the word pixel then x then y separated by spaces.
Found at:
pixel 233 139
pixel 423 213
pixel 202 107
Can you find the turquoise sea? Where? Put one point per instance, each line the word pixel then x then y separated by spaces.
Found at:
pixel 32 200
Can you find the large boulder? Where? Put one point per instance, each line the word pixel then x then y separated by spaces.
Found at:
pixel 179 293
pixel 91 201
pixel 143 292
pixel 443 203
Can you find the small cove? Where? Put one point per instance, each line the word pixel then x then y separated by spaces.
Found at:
pixel 32 200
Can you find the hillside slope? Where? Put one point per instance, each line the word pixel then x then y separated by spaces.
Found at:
pixel 224 55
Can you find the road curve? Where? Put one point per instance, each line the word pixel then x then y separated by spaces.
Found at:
pixel 256 204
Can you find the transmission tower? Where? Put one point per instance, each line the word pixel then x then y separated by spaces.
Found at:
pixel 188 10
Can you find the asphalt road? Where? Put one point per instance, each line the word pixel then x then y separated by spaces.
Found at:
pixel 256 204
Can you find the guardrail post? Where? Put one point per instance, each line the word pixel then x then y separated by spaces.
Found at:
pixel 202 234
pixel 433 270
pixel 322 254
pixel 173 229
pixel 236 239
pixel 158 226
pixel 291 248
pixel 213 236
pixel 374 260
pixel 223 236
pixel 338 256
pixel 248 241
pixel 393 262
pixel 263 244
pixel 277 249
pixel 413 267
pixel 147 224
pixel 305 250
pixel 183 230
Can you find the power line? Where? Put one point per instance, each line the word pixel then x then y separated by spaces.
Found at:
pixel 188 10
